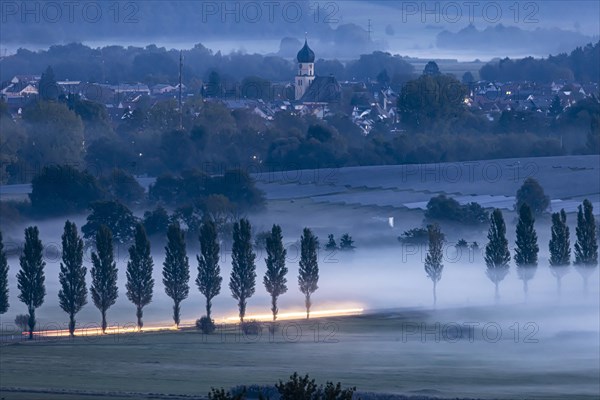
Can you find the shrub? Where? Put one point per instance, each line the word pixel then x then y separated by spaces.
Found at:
pixel 10 214
pixel 473 214
pixel 462 243
pixel 22 321
pixel 260 240
pixel 331 244
pixel 447 208
pixel 251 327
pixel 415 236
pixel 532 193
pixel 206 325
pixel 62 189
pixel 221 394
pixel 346 242
pixel 122 186
pixel 298 387
pixel 116 216
pixel 256 392
pixel 157 221
pixel 442 207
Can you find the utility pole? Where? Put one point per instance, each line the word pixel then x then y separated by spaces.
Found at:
pixel 369 30
pixel 180 89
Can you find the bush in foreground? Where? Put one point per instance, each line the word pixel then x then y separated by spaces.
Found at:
pixel 251 327
pixel 21 321
pixel 296 388
pixel 205 325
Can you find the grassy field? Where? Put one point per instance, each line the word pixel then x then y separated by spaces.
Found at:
pixel 383 353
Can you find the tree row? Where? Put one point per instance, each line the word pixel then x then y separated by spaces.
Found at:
pixel 73 293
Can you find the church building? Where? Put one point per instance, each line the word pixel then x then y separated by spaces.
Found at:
pixel 312 89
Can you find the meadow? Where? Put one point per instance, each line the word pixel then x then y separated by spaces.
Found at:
pixel 395 352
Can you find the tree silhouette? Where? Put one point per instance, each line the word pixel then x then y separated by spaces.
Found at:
pixel 526 252
pixel 3 279
pixel 586 246
pixel 560 247
pixel 346 242
pixel 275 280
pixel 104 274
pixel 308 276
pixel 73 293
pixel 497 255
pixel 209 274
pixel 140 283
pixel 243 273
pixel 433 260
pixel 49 89
pixel 331 244
pixel 30 278
pixel 116 216
pixel 176 270
pixel 532 193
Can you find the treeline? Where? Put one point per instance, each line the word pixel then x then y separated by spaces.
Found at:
pixel 581 65
pixel 498 256
pixel 73 293
pixel 62 190
pixel 149 141
pixel 242 283
pixel 152 65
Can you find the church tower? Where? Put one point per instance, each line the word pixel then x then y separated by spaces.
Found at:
pixel 306 70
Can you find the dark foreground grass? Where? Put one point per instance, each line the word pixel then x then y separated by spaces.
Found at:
pixel 384 353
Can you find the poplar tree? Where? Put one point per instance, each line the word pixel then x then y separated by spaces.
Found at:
pixel 3 278
pixel 30 278
pixel 73 293
pixel 209 273
pixel 243 273
pixel 140 283
pixel 560 247
pixel 526 252
pixel 104 273
pixel 497 255
pixel 275 280
pixel 308 277
pixel 176 270
pixel 433 260
pixel 586 246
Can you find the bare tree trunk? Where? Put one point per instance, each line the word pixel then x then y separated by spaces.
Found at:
pixel 208 308
pixel 497 293
pixel 139 314
pixel 525 288
pixel 71 324
pixel 31 322
pixel 434 294
pixel 558 286
pixel 242 307
pixel 274 308
pixel 176 314
pixel 308 304
pixel 104 324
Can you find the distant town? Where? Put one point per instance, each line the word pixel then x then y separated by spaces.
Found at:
pixel 321 96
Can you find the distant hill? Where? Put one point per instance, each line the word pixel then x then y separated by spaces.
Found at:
pixel 511 39
pixel 582 65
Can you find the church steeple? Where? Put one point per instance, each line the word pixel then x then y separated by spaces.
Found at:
pixel 306 55
pixel 306 69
